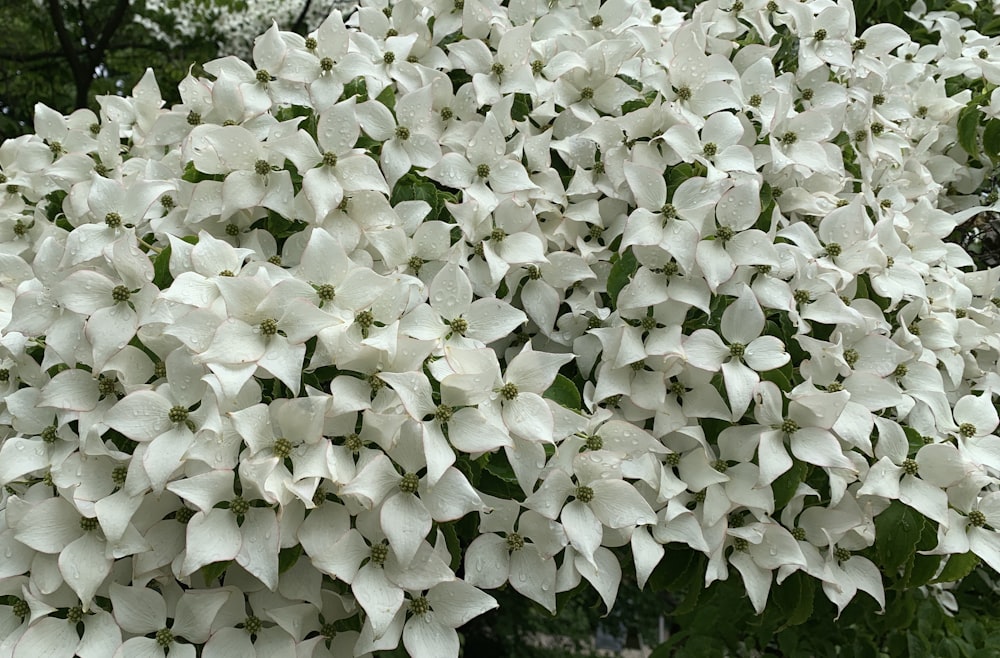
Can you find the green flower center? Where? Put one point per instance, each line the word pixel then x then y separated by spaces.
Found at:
pixel 498 235
pixel 684 93
pixel 534 273
pixel 802 296
pixel 788 138
pixel 509 391
pixel 326 64
pixel 789 426
pixel 967 430
pixel 900 370
pixel 88 524
pixel 587 93
pixel 389 57
pixel 537 66
pixel 106 386
pixel 755 100
pixel 878 99
pixel 263 76
pixel 330 159
pixel 807 94
pixel 183 515
pixel 118 475
pixel 446 113
pixel 710 149
pixel 403 133
pixel 443 413
pixel 724 234
pixel 282 448
pixel 239 506
pixel 410 483
pixel 737 350
pixel 842 554
pixel 194 118
pixel 483 171
pixel 741 544
pixel 584 494
pixel 325 292
pixel 419 606
pixel 164 637
pixel 799 534
pixel 415 263
pixel 232 230
pixel 252 625
pixel 819 34
pixel 262 167
pixel 594 442
pixel 365 319
pixel 268 327
pixel 311 43
pixel 672 459
pixel 4 375
pixel 720 465
pixel 851 356
pixel 669 211
pixel 515 542
pixel 177 414
pixel 498 68
pixel 977 518
pixel 50 434
pixel 120 294
pixel 113 220
pixel 328 630
pixel 353 443
pixel 910 466
pixel 75 615
pixel 20 608
pixel 275 260
pixel 833 250
pixel 379 553
pixel 596 21
pixel 859 44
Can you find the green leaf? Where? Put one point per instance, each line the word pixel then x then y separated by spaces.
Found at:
pixel 968 128
pixel 897 531
pixel 161 270
pixel 521 107
pixel 287 557
pixel 212 572
pixel 388 98
pixel 621 273
pixel 922 569
pixel 565 392
pixel 794 597
pixel 958 567
pixel 787 483
pixel 991 139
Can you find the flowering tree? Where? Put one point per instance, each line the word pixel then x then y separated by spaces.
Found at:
pixel 450 297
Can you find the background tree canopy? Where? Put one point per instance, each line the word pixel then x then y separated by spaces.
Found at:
pixel 66 53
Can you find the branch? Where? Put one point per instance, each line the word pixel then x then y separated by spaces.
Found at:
pixel 110 27
pixel 299 25
pixel 65 40
pixel 30 57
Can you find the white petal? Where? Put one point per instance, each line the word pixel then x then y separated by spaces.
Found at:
pixel 740 384
pixel 212 537
pixel 406 522
pixel 451 497
pixel 84 566
pixel 377 596
pixel 583 528
pixel 141 416
pixel 487 561
pixel 195 613
pixel 756 580
pixel 646 554
pixel 603 572
pixel 48 637
pixel 259 546
pixel 72 390
pixel 924 497
pixel 456 602
pixel 618 505
pixel 138 610
pixel 529 417
pixel 425 637
pixel 534 577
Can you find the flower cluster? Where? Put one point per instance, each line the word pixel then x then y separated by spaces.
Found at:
pixel 457 295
